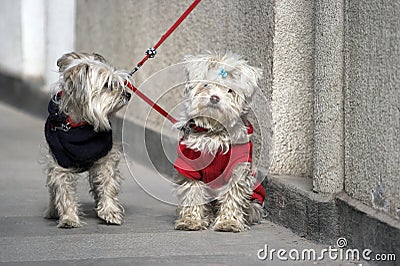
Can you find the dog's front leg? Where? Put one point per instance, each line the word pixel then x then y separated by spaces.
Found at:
pixel 234 201
pixel 105 183
pixel 61 183
pixel 192 209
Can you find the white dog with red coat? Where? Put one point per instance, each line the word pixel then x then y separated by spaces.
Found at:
pixel 215 173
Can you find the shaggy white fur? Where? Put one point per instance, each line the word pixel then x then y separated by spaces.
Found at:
pixel 218 91
pixel 92 91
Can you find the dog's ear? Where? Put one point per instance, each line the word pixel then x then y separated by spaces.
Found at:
pixel 76 76
pixel 64 61
pixel 196 69
pixel 240 73
pixel 250 78
pixel 99 57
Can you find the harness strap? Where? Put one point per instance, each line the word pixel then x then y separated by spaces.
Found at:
pixel 191 127
pixel 73 124
pixel 59 121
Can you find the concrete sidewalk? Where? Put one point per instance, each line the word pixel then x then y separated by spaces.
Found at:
pixel 146 238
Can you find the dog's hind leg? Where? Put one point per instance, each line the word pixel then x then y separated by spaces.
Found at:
pixel 192 209
pixel 61 183
pixel 234 201
pixel 51 211
pixel 255 213
pixel 105 181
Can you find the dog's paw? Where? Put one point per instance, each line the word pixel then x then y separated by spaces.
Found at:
pixel 111 217
pixel 69 221
pixel 112 214
pixel 255 213
pixel 229 225
pixel 190 224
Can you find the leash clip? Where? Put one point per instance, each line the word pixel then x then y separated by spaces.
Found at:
pixel 187 131
pixel 134 70
pixel 63 127
pixel 151 52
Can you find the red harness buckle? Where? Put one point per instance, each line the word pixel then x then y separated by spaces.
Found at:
pixel 73 124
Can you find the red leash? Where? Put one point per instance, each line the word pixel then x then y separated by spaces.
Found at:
pixel 151 103
pixel 150 53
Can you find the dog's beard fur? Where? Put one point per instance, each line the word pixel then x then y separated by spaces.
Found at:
pixel 221 105
pixel 223 119
pixel 92 90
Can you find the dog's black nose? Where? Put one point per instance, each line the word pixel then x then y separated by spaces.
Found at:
pixel 127 95
pixel 214 99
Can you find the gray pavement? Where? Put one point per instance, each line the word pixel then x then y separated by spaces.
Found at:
pixel 147 236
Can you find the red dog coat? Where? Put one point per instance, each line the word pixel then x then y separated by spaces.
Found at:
pixel 216 170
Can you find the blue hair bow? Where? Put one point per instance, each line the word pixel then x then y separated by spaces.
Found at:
pixel 223 73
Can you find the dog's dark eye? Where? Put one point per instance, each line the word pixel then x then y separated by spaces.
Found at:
pixel 107 87
pixel 205 85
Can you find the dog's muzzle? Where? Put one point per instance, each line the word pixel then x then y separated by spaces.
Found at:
pixel 214 99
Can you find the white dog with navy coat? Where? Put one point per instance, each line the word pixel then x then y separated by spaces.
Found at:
pixel 79 136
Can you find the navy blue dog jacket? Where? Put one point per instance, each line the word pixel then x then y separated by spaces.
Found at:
pixel 74 146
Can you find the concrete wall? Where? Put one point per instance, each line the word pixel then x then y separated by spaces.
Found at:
pixel 292 97
pixel 34 34
pixel 10 30
pixel 328 155
pixel 60 35
pixel 33 38
pixel 372 103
